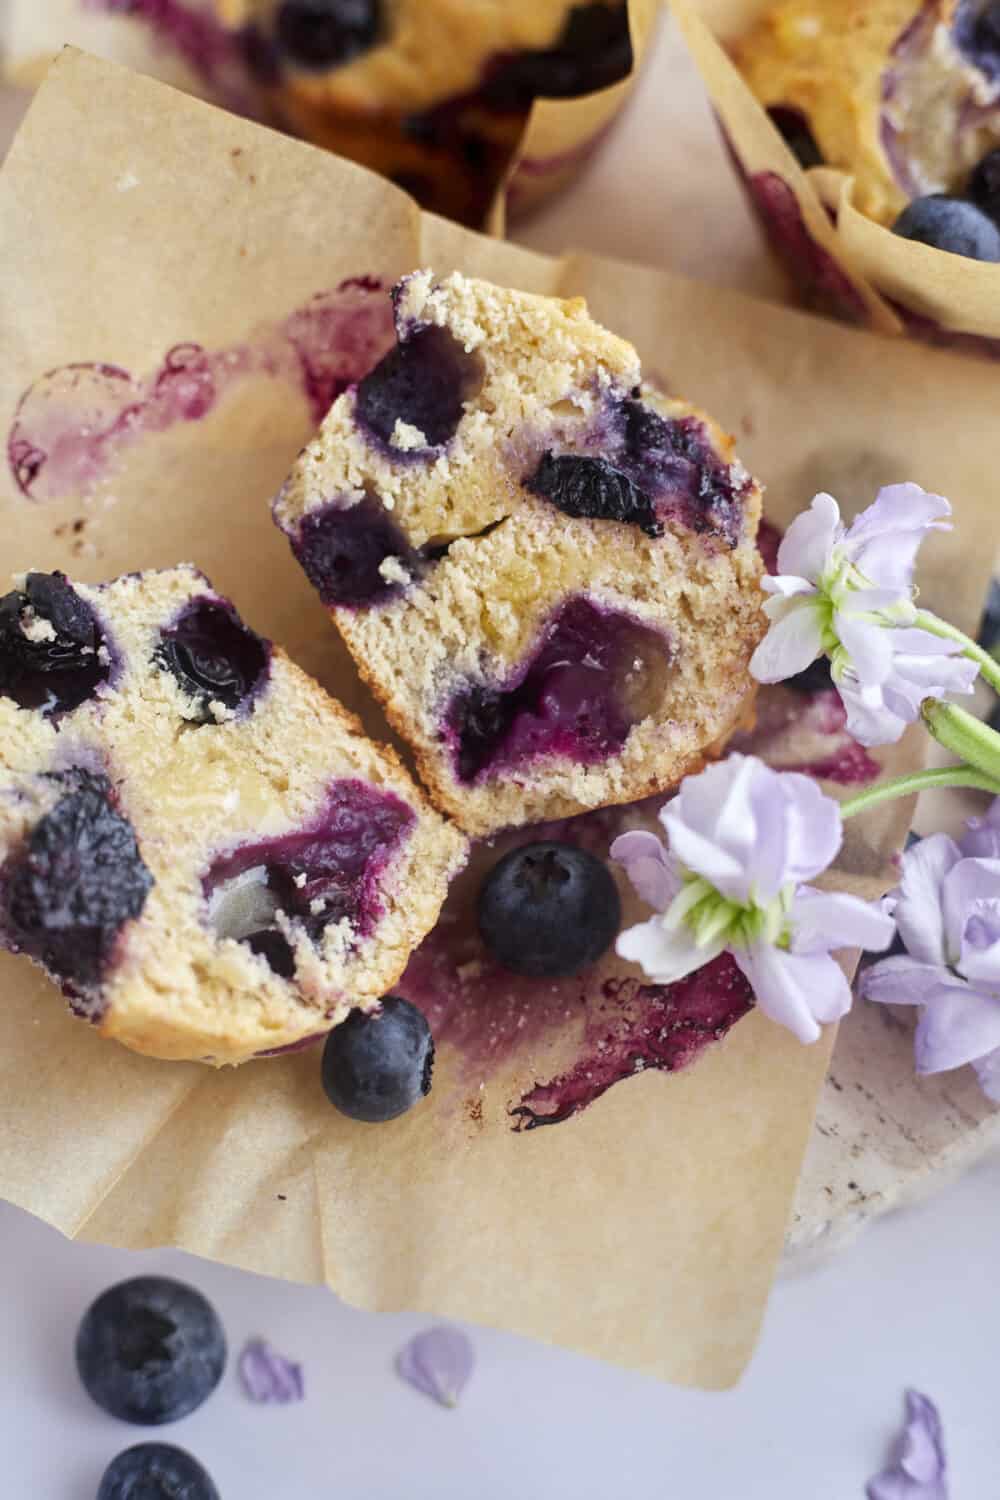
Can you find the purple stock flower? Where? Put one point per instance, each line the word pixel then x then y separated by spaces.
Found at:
pixel 847 593
pixel 267 1377
pixel 741 840
pixel 947 910
pixel 918 1470
pixel 438 1362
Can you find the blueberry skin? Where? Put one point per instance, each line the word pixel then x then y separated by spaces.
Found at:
pixel 376 1067
pixel 150 1350
pixel 988 634
pixel 592 489
pixel 156 1471
pixel 951 224
pixel 548 910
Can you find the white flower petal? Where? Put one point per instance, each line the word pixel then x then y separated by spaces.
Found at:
pixel 883 540
pixel 870 720
pixel 970 907
pixel 665 956
pixel 988 1072
pixel 806 546
pixel 784 587
pixel 798 990
pixel 711 824
pixel 868 645
pixel 792 642
pixel 824 920
pixel 815 830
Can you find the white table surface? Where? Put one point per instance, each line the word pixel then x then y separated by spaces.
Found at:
pixel 913 1302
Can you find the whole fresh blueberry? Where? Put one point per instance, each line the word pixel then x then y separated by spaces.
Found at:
pixel 156 1471
pixel 951 224
pixel 977 34
pixel 549 909
pixel 78 879
pixel 50 646
pixel 213 656
pixel 326 33
pixel 594 489
pixel 150 1350
pixel 984 185
pixel 376 1067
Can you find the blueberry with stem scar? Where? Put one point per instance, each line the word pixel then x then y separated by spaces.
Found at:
pixel 548 910
pixel 150 1350
pixel 156 1471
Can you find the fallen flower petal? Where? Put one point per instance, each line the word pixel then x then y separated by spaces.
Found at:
pixel 268 1377
pixel 438 1362
pixel 918 1470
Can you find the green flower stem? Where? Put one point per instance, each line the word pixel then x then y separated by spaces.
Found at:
pixel 969 738
pixel 988 667
pixel 920 781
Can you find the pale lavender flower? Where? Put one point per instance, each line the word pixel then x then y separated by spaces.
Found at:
pixel 847 593
pixel 981 839
pixel 438 1362
pixel 947 910
pixel 742 839
pixel 267 1376
pixel 918 1470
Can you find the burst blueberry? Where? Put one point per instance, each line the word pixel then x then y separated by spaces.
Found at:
pixel 150 1350
pixel 326 33
pixel 593 51
pixel 593 489
pixel 376 1067
pixel 51 653
pixel 214 657
pixel 423 383
pixel 80 877
pixel 548 910
pixel 156 1471
pixel 951 224
pixel 344 551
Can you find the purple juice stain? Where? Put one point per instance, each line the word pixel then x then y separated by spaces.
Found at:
pixel 77 420
pixel 806 731
pixel 192 31
pixel 488 1016
pixel 637 1027
pixel 328 872
pixel 590 678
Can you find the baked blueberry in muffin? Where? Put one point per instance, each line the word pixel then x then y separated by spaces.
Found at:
pixel 196 843
pixel 545 569
pixel 904 95
pixel 432 93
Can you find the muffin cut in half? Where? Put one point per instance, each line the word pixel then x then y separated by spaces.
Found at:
pixel 546 571
pixel 197 843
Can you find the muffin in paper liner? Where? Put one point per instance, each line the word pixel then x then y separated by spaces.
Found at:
pixel 830 228
pixel 474 108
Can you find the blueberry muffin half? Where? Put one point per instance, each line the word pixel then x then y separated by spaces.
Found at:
pixel 545 570
pixel 903 95
pixel 196 843
pixel 432 93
